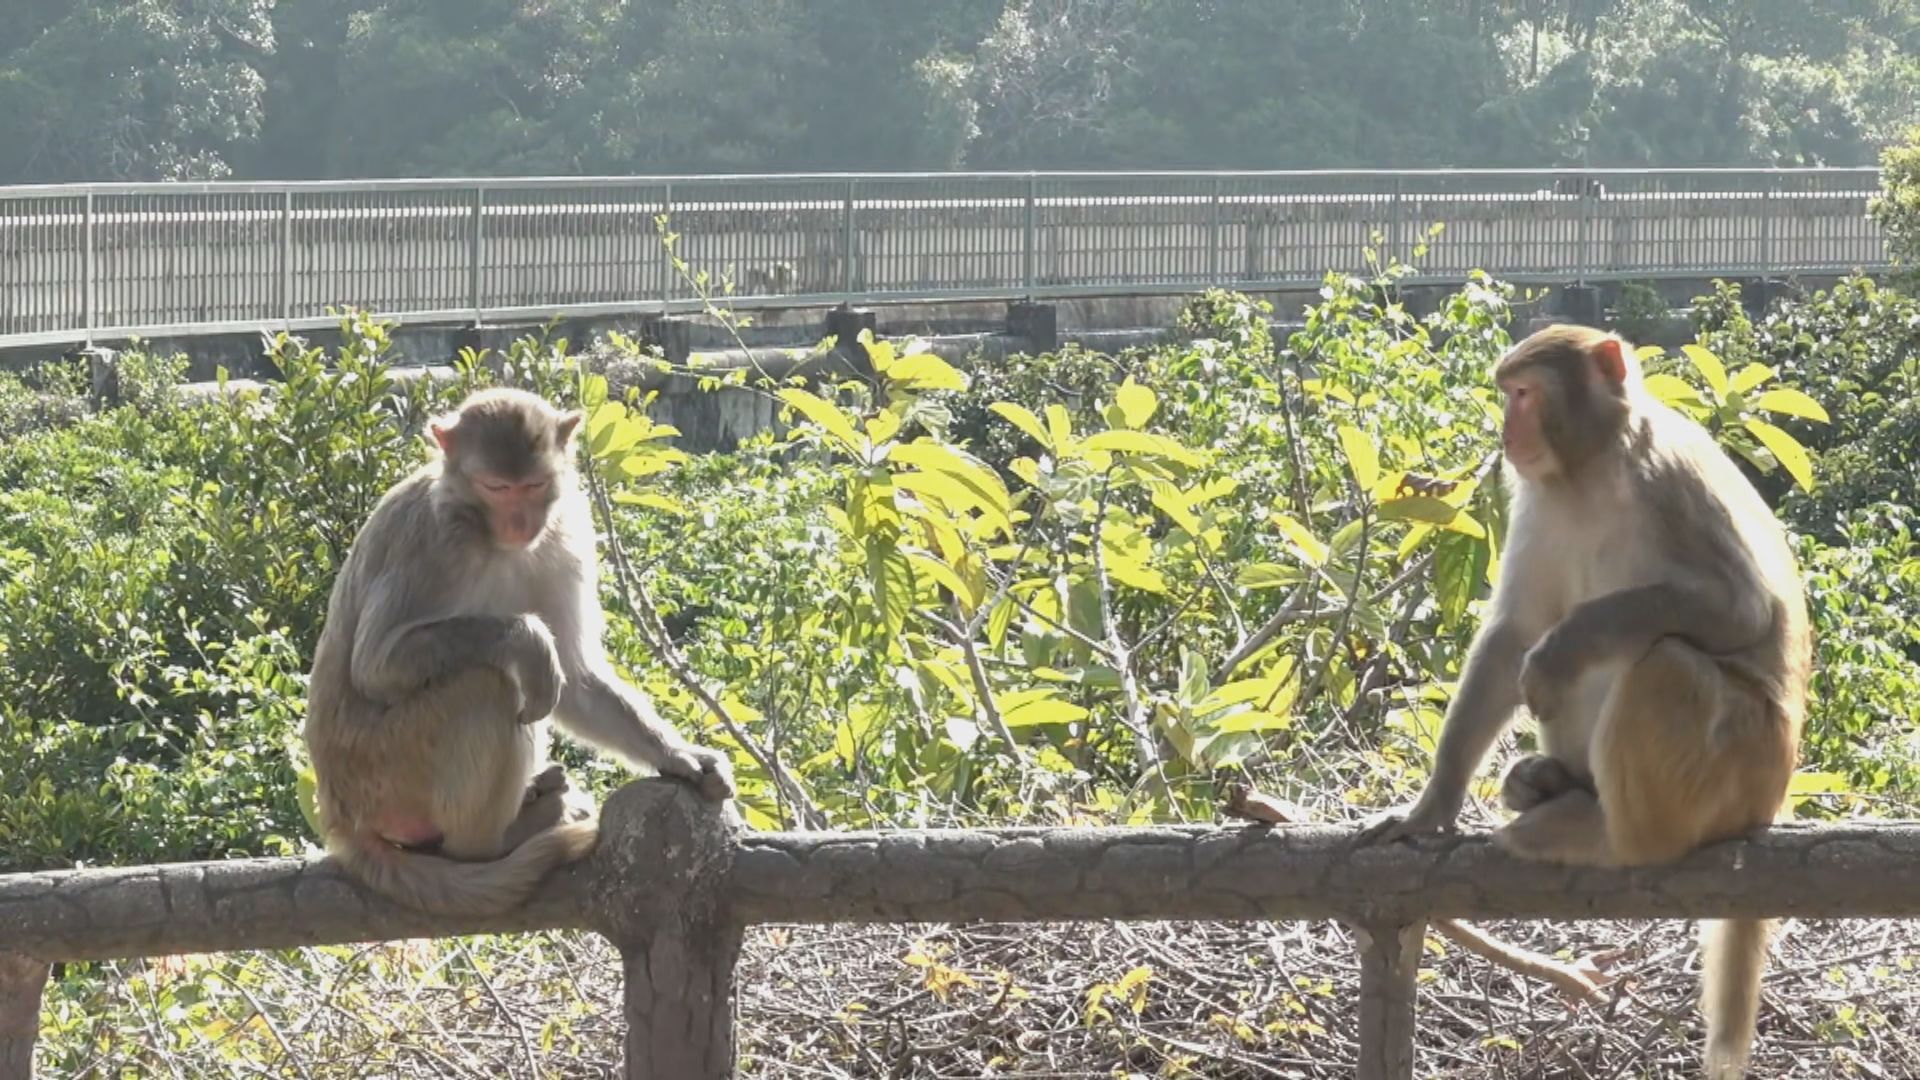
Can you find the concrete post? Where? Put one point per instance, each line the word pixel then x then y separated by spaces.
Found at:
pixel 657 892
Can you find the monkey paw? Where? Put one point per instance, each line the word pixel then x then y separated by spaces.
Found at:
pixel 545 782
pixel 707 770
pixel 1535 779
pixel 1399 824
pixel 1542 679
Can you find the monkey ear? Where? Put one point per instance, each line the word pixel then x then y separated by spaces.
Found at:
pixel 1611 359
pixel 569 423
pixel 442 432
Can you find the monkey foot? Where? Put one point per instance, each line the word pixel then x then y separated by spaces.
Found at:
pixel 548 780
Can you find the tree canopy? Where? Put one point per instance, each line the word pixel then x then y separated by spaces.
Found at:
pixel 264 89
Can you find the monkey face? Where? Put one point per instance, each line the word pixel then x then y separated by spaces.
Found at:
pixel 506 462
pixel 516 507
pixel 1523 433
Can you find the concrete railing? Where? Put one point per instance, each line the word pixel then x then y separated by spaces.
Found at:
pixel 675 882
pixel 87 262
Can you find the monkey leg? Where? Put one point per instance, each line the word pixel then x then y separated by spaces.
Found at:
pixel 484 765
pixel 1685 756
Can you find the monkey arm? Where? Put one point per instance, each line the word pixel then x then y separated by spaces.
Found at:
pixel 1714 615
pixel 600 707
pixel 394 655
pixel 1488 693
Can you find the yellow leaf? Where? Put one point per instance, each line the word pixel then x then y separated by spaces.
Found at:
pixel 1709 366
pixel 1172 502
pixel 943 575
pixel 1362 456
pixel 1670 390
pixel 1311 549
pixel 1750 376
pixel 1790 402
pixel 825 414
pixel 1031 710
pixel 1136 402
pixel 1143 443
pixel 1021 417
pixel 925 371
pixel 883 427
pixel 879 353
pixel 1786 450
pixel 1059 424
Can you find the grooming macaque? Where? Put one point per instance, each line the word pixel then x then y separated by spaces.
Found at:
pixel 466 613
pixel 1650 615
pixel 770 280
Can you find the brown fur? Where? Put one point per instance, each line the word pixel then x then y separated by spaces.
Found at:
pixel 442 656
pixel 1651 616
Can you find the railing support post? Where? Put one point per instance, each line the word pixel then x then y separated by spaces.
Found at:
pixel 89 274
pixel 22 978
pixel 1389 966
pixel 657 891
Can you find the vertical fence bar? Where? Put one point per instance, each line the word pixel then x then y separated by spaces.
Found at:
pixel 1028 254
pixel 1389 967
pixel 1213 238
pixel 1584 265
pixel 666 253
pixel 846 242
pixel 476 248
pixel 286 256
pixel 1766 224
pixel 1394 250
pixel 88 270
pixel 22 980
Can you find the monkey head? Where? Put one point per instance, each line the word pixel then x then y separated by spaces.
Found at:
pixel 1568 396
pixel 508 458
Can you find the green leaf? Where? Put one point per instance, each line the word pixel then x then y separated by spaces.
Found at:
pixel 1266 575
pixel 1362 456
pixel 824 414
pixel 1790 402
pixel 1710 368
pixel 1021 417
pixel 998 621
pixel 1786 450
pixel 1459 565
pixel 1137 403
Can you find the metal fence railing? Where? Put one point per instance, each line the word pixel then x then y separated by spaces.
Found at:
pixel 107 260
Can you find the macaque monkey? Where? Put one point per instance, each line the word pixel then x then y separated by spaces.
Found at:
pixel 467 611
pixel 770 281
pixel 1651 617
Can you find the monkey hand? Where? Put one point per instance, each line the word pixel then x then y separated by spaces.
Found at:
pixel 1545 674
pixel 1428 816
pixel 708 770
pixel 536 671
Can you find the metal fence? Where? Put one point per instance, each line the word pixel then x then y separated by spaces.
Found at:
pixel 105 260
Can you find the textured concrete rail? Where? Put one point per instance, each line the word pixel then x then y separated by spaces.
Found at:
pixel 675 880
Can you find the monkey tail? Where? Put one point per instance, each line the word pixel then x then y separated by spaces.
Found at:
pixel 1733 953
pixel 442 886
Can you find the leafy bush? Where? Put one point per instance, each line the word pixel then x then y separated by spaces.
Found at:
pixel 1855 349
pixel 1073 586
